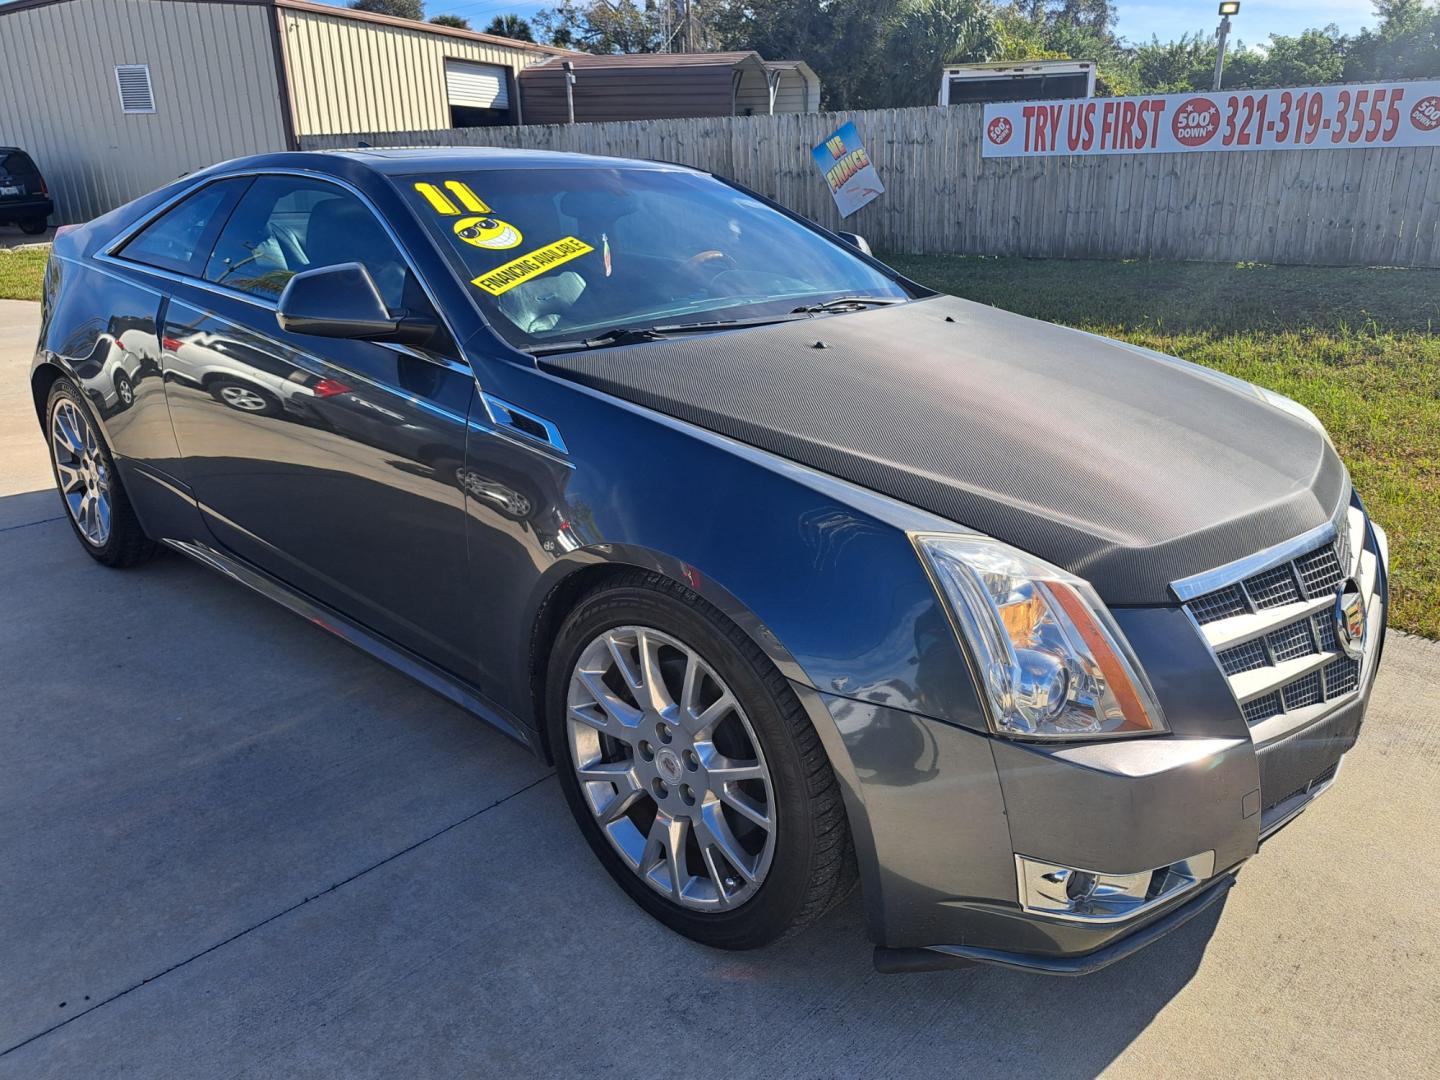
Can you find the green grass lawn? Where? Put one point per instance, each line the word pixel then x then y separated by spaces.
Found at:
pixel 20 273
pixel 1360 347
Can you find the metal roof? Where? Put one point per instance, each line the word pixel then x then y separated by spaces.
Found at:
pixel 340 13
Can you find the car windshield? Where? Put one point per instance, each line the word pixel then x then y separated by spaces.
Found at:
pixel 565 255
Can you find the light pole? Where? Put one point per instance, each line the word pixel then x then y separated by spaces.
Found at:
pixel 1227 8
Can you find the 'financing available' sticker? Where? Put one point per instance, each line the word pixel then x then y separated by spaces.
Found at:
pixel 504 278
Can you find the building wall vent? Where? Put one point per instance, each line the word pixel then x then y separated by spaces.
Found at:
pixel 133 81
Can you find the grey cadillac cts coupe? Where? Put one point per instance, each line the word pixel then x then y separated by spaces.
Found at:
pixel 799 573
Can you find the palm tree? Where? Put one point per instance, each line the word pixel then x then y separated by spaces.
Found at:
pixel 511 26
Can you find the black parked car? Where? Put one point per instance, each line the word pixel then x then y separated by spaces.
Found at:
pixel 24 198
pixel 797 571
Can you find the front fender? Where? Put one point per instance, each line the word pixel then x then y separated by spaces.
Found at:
pixel 821 574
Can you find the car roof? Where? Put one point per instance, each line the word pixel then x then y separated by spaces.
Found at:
pixel 448 158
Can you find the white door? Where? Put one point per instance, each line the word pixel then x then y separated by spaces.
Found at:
pixel 477 86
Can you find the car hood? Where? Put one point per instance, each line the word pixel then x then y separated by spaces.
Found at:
pixel 1126 468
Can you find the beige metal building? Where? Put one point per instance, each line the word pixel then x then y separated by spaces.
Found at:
pixel 116 97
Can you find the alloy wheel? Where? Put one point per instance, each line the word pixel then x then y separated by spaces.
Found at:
pixel 671 768
pixel 243 398
pixel 83 472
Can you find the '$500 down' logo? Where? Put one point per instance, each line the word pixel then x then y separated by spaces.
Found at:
pixel 1000 130
pixel 1426 114
pixel 1196 122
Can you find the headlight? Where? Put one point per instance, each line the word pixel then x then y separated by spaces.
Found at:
pixel 1051 661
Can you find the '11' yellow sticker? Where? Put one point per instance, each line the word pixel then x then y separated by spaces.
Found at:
pixel 516 272
pixel 458 191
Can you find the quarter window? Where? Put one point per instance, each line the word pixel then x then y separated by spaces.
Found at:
pixel 286 224
pixel 179 239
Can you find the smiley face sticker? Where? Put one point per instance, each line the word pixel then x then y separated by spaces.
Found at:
pixel 488 232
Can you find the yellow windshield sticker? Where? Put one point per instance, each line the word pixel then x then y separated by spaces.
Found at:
pixel 468 199
pixel 489 233
pixel 518 271
pixel 436 198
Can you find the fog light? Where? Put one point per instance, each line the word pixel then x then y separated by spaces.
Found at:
pixel 1067 892
pixel 1080 885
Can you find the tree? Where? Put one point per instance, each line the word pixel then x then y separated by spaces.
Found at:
pixel 1045 30
pixel 842 40
pixel 455 22
pixel 602 26
pixel 401 9
pixel 1405 44
pixel 511 26
pixel 1172 67
pixel 928 34
pixel 1312 58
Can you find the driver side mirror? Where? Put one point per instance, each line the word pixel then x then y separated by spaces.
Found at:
pixel 341 301
pixel 855 240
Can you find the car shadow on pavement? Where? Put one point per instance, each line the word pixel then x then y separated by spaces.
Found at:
pixel 235 842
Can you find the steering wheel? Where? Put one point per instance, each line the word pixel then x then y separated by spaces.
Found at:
pixel 715 261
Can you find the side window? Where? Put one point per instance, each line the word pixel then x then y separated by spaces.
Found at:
pixel 179 239
pixel 286 224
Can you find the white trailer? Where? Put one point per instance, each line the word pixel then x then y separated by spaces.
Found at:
pixel 1019 80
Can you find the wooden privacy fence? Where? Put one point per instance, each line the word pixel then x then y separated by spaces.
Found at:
pixel 1377 207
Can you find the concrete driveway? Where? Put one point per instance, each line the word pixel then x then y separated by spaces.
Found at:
pixel 11 237
pixel 229 844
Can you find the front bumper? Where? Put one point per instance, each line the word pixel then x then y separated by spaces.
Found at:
pixel 942 957
pixel 939 813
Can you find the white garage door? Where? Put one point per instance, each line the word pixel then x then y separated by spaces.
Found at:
pixel 477 86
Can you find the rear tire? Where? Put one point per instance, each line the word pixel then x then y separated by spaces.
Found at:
pixel 34 226
pixel 245 397
pixel 94 498
pixel 735 883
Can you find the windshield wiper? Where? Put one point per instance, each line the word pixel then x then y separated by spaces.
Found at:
pixel 841 303
pixel 634 335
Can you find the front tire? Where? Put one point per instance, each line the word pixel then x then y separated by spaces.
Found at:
pixel 691 768
pixel 95 501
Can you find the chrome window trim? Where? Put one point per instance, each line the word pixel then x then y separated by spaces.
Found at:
pixel 108 253
pixel 1207 581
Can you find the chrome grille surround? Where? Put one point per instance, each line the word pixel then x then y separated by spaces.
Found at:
pixel 1269 621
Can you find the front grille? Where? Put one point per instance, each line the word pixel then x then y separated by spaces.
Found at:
pixel 1262 708
pixel 1273 588
pixel 1319 571
pixel 1306 690
pixel 1220 604
pixel 1274 632
pixel 1291 642
pixel 1245 657
pixel 1341 676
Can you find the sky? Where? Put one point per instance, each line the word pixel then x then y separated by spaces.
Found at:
pixel 1138 20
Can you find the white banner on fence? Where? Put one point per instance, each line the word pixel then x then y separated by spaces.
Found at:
pixel 1312 118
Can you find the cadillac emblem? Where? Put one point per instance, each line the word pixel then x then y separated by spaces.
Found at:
pixel 1350 618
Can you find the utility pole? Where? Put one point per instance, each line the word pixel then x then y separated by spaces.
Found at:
pixel 1227 8
pixel 689 26
pixel 569 91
